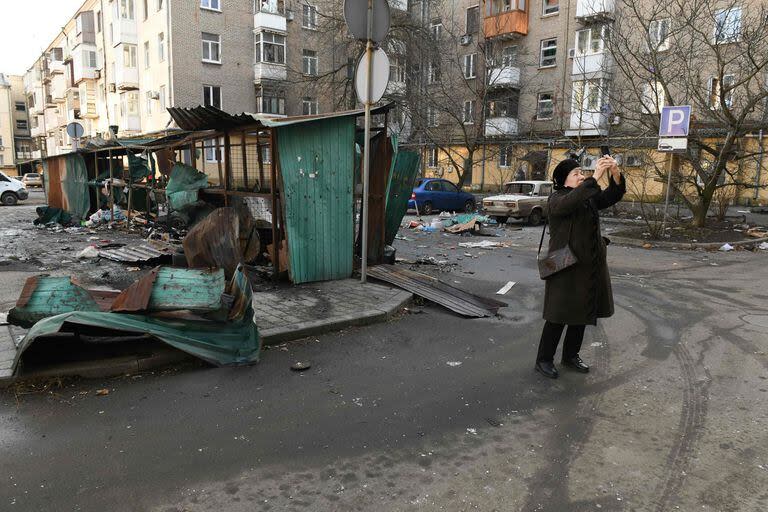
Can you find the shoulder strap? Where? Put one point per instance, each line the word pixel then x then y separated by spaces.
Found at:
pixel 544 230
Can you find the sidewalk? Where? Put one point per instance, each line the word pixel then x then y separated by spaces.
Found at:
pixel 281 315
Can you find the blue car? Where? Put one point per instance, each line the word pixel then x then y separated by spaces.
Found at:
pixel 431 195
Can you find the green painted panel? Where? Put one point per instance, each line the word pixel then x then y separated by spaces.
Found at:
pixel 405 168
pixel 316 164
pixel 182 288
pixel 74 186
pixel 52 296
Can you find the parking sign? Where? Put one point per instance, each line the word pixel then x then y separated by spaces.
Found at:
pixel 675 121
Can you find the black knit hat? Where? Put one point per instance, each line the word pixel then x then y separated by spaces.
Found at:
pixel 562 170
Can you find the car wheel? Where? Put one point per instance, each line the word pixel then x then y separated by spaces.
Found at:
pixel 9 199
pixel 469 206
pixel 426 208
pixel 535 218
pixel 500 220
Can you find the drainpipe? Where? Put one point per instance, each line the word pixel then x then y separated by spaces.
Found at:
pixel 759 165
pixel 169 53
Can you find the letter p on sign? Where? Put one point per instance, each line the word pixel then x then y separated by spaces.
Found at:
pixel 675 121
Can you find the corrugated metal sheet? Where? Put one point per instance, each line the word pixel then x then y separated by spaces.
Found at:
pixel 316 164
pixel 405 168
pixel 214 241
pixel 45 296
pixel 66 184
pixel 458 301
pixel 137 253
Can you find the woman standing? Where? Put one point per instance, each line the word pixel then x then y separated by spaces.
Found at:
pixel 580 294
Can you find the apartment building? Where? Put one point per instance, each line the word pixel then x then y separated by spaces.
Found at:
pixel 15 142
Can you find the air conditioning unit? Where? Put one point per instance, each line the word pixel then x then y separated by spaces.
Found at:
pixel 466 39
pixel 97 74
pixel 571 53
pixel 112 88
pixel 289 15
pixel 155 95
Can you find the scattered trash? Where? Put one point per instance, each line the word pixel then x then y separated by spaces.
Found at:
pixel 493 422
pixel 401 237
pixel 647 246
pixel 133 269
pixel 300 366
pixel 102 392
pixel 726 247
pixel 485 244
pixel 504 289
pixel 595 344
pixel 757 232
pixel 453 363
pixel 430 260
pixel 145 252
pixel 88 252
pixel 763 246
pixel 472 431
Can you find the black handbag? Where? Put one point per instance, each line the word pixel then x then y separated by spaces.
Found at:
pixel 557 260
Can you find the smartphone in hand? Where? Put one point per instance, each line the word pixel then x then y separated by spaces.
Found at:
pixel 605 150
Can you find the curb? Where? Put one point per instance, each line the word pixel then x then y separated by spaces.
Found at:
pixel 302 330
pixel 683 245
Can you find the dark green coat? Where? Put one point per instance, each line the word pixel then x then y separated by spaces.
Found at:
pixel 580 294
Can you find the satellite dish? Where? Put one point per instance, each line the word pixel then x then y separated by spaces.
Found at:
pixel 356 16
pixel 379 76
pixel 75 130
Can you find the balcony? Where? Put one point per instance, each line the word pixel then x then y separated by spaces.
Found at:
pixel 37 154
pixel 56 67
pixel 266 71
pixel 84 64
pixel 505 19
pixel 130 123
pixel 595 9
pixel 124 31
pixel 86 29
pixel 126 79
pixel 592 64
pixel 36 131
pixel 87 100
pixel 505 76
pixel 588 124
pixel 500 126
pixel 269 15
pixel 54 119
pixel 58 87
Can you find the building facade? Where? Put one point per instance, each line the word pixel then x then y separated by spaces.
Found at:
pixel 15 142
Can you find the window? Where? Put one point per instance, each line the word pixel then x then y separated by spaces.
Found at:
pixel 159 5
pixel 587 96
pixel 715 90
pixel 149 102
pixel 2 161
pixel 433 72
pixel 270 47
pixel 309 16
pixel 211 48
pixel 146 9
pixel 161 47
pixel 653 98
pixel 548 54
pixel 21 124
pixel 506 107
pixel 212 5
pixel 545 190
pixel 468 116
pixel 146 54
pixel 20 106
pixel 658 34
pixel 473 19
pixel 436 28
pixel 431 117
pixel 509 56
pixel 270 105
pixel 266 154
pixel 432 157
pixel 728 25
pixel 111 34
pixel 79 24
pixel 89 59
pixel 126 10
pixel 162 97
pixel 211 149
pixel 396 70
pixel 212 96
pixel 129 56
pixel 309 62
pixel 98 22
pixel 309 107
pixel 550 7
pixel 470 66
pixel 545 106
pixel 590 41
pixel 129 104
pixel 505 156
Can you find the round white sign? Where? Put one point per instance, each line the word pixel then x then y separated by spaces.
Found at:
pixel 379 76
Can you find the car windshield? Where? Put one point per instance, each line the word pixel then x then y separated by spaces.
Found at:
pixel 519 188
pixel 30 175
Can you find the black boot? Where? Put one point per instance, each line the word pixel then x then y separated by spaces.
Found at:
pixel 547 369
pixel 577 364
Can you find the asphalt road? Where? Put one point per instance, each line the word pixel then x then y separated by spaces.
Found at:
pixel 434 412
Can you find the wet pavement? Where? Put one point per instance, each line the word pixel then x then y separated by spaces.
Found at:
pixel 431 411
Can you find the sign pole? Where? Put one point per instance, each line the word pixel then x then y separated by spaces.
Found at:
pixel 367 144
pixel 666 199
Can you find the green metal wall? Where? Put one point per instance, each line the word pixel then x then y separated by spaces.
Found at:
pixel 316 164
pixel 405 168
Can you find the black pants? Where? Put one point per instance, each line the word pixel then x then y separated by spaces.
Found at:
pixel 550 337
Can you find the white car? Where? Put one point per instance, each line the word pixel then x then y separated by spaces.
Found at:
pixel 11 190
pixel 521 200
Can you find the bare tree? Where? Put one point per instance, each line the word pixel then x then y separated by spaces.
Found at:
pixel 709 54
